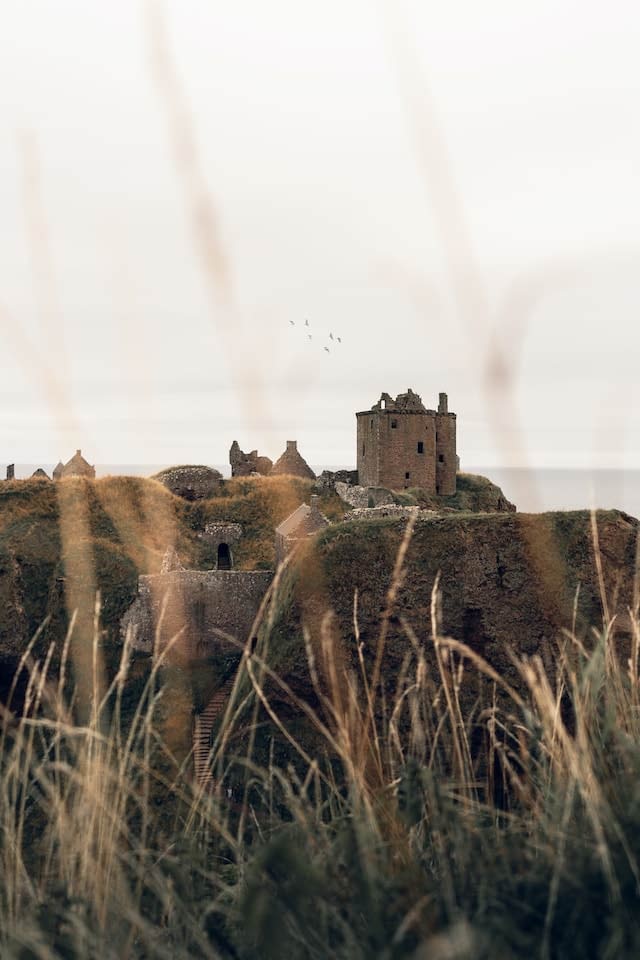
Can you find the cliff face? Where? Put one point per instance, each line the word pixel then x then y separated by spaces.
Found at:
pixel 509 583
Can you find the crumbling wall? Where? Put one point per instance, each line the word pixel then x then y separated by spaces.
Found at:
pixel 198 607
pixel 329 478
pixel 191 482
pixel 363 497
pixel 245 464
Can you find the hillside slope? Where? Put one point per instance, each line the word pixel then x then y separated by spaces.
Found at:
pixel 106 532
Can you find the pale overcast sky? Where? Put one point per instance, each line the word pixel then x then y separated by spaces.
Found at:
pixel 425 180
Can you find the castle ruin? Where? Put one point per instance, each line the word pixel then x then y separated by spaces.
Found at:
pixel 76 467
pixel 402 444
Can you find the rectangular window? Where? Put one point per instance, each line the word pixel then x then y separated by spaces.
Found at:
pixel 436 436
pixel 441 458
pixel 363 449
pixel 394 424
pixel 407 475
pixel 420 446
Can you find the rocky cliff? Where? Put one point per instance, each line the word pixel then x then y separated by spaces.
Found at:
pixel 509 585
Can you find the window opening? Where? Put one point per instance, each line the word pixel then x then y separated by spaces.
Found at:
pixel 441 458
pixel 394 424
pixel 407 475
pixel 363 449
pixel 420 446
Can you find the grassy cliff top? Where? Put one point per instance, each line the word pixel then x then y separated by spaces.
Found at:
pixel 473 493
pixel 115 529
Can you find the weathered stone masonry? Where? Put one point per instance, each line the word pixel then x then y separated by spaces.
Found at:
pixel 402 444
pixel 198 603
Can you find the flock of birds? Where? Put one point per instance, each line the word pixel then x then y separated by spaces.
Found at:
pixel 335 340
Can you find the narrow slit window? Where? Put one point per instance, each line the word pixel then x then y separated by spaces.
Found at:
pixel 363 449
pixel 394 424
pixel 420 446
pixel 441 458
pixel 407 475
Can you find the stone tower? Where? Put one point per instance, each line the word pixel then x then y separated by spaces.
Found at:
pixel 402 444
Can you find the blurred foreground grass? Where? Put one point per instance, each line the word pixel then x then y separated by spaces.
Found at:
pixel 401 835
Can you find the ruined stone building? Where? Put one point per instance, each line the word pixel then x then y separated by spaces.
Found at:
pixel 293 463
pixel 196 482
pixel 203 608
pixel 244 464
pixel 403 444
pixel 221 537
pixel 76 467
pixel 301 524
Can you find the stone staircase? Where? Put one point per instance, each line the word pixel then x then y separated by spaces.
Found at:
pixel 202 727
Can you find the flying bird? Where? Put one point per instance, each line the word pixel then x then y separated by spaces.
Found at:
pixel 330 336
pixel 306 323
pixel 339 339
pixel 292 323
pixel 327 349
pixel 309 336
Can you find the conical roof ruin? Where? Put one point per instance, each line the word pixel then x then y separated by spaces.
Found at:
pixel 292 463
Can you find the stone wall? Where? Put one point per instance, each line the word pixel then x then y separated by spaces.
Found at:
pixel 246 464
pixel 220 537
pixel 328 479
pixel 191 482
pixel 397 446
pixel 195 604
pixel 397 449
pixel 385 510
pixel 446 458
pixel 363 497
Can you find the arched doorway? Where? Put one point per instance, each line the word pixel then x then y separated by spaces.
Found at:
pixel 224 556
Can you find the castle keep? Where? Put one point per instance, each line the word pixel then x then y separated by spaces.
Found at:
pixel 402 444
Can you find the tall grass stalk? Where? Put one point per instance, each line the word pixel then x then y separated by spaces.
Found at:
pixel 396 817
